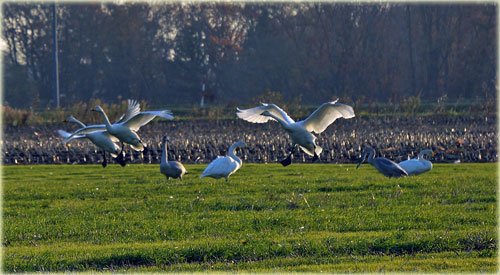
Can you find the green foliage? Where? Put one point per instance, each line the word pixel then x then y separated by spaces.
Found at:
pixel 301 218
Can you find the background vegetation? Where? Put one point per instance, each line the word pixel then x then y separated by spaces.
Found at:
pixel 389 52
pixel 309 217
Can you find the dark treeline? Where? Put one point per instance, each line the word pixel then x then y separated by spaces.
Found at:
pixel 314 51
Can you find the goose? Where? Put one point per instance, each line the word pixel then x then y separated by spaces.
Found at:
pixel 125 129
pixel 301 131
pixel 223 167
pixel 101 139
pixel 385 166
pixel 418 165
pixel 171 169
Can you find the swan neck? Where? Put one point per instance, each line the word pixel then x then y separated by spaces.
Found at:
pixel 106 119
pixel 232 153
pixel 371 155
pixel 164 155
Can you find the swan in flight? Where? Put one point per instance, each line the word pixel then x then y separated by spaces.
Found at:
pixel 301 131
pixel 385 166
pixel 223 167
pixel 171 169
pixel 101 139
pixel 125 129
pixel 418 165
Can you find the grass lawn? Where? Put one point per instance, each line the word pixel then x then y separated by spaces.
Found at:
pixel 305 217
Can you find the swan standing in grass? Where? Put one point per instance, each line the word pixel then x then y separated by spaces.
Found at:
pixel 171 169
pixel 101 139
pixel 301 131
pixel 385 166
pixel 223 167
pixel 418 165
pixel 125 129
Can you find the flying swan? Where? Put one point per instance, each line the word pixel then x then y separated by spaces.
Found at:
pixel 101 139
pixel 125 129
pixel 301 131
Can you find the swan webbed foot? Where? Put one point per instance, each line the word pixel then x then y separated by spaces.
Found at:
pixel 121 160
pixel 287 161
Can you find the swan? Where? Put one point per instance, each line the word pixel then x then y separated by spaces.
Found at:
pixel 101 139
pixel 171 169
pixel 223 167
pixel 125 129
pixel 301 131
pixel 385 166
pixel 418 165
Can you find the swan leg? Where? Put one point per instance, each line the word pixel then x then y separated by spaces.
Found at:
pixel 315 158
pixel 105 161
pixel 288 160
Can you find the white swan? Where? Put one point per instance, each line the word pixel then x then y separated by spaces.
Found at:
pixel 301 131
pixel 101 139
pixel 171 169
pixel 125 129
pixel 418 165
pixel 223 167
pixel 385 166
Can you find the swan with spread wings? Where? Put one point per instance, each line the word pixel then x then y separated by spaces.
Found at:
pixel 125 129
pixel 301 132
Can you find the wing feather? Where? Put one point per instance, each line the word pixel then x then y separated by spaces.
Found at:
pixel 132 110
pixel 254 115
pixel 325 115
pixel 144 118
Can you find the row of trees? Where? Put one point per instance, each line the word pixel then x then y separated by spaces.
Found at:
pixel 164 53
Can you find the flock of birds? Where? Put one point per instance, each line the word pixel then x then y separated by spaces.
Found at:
pixel 109 136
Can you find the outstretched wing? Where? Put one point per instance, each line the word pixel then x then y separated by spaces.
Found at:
pixel 89 129
pixel 74 120
pixel 144 118
pixel 132 110
pixel 254 115
pixel 68 137
pixel 325 115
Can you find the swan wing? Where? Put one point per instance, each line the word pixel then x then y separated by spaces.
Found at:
pixel 68 136
pixel 254 115
pixel 90 129
pixel 74 120
pixel 388 167
pixel 325 115
pixel 132 110
pixel 144 118
pixel 415 166
pixel 220 167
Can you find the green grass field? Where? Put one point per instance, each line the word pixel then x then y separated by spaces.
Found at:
pixel 305 217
